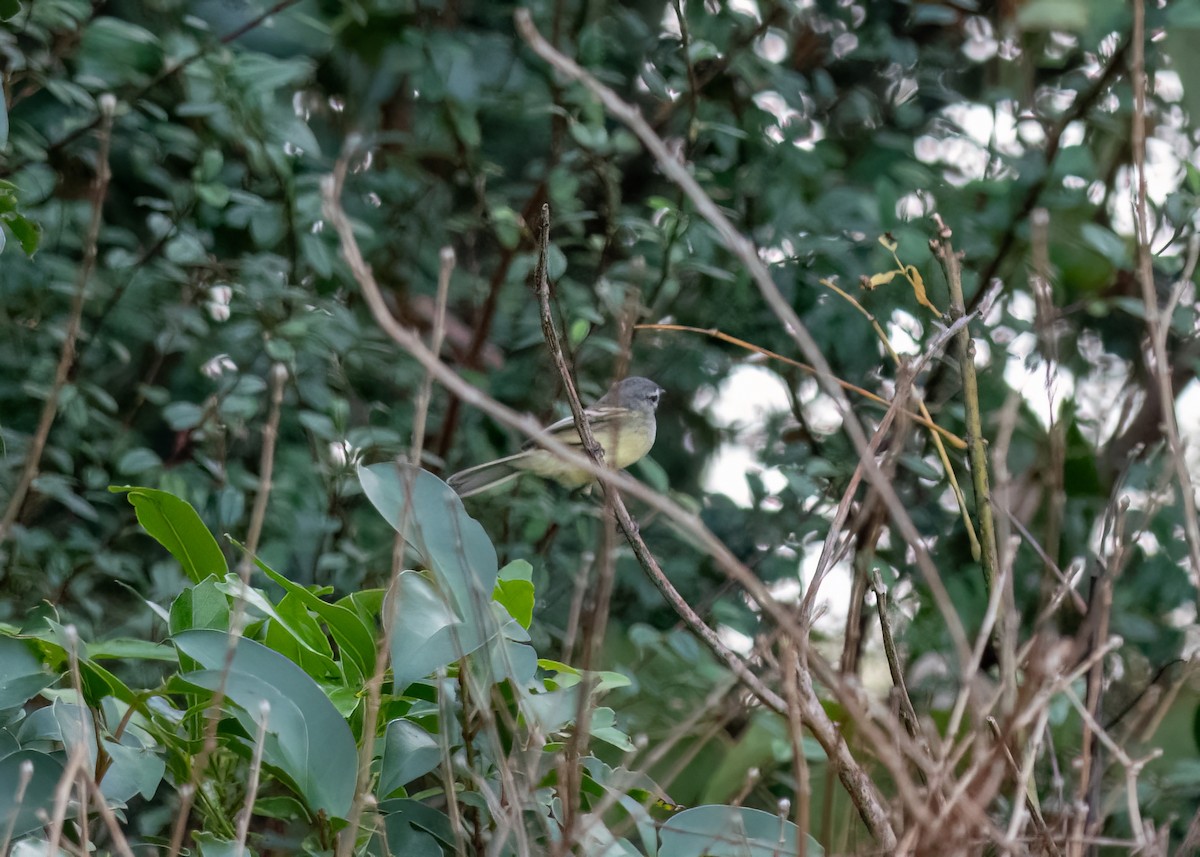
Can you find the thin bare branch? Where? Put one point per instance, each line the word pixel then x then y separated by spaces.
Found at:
pixel 1157 323
pixel 260 740
pixel 949 436
pixel 266 470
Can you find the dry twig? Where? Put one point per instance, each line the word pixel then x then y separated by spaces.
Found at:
pixel 1158 323
pixel 266 469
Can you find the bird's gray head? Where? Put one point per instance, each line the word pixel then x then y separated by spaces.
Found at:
pixel 632 393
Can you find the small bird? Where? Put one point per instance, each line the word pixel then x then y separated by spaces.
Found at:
pixel 622 422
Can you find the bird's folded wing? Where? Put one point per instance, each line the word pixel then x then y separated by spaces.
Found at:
pixel 599 418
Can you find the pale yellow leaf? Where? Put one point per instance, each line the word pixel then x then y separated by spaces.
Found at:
pixel 881 279
pixel 918 285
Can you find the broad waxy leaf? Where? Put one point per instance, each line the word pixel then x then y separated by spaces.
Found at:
pixel 177 527
pixel 307 738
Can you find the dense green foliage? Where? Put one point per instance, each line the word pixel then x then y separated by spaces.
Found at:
pixel 818 127
pixel 299 694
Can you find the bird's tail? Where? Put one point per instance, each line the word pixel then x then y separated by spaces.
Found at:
pixel 485 477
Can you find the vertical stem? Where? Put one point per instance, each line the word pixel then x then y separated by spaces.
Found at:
pixel 1157 323
pixel 976 447
pixel 790 665
pixel 1045 323
pixel 592 624
pixel 260 740
pixel 366 754
pixel 266 470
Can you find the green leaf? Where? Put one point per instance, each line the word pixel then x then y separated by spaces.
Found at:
pixel 211 845
pixel 306 737
pixel 507 226
pixel 263 73
pixel 604 727
pixel 318 254
pixel 134 769
pixel 466 124
pixel 290 631
pixel 1192 173
pixel 201 606
pixel 1186 15
pixel 727 831
pixel 27 233
pixel 414 830
pixel 508 659
pixel 118 51
pixel 284 807
pixel 556 263
pixel 553 709
pixel 181 416
pixel 653 473
pixel 514 591
pixel 609 680
pixel 174 524
pixel 138 461
pixel 409 752
pixel 22 673
pixel 60 489
pixel 211 193
pixel 594 137
pixel 452 544
pixel 700 50
pixel 427 634
pixel 578 331
pixel 295 634
pixel 352 635
pixel 128 649
pixel 18 818
pixel 920 467
pixel 1106 242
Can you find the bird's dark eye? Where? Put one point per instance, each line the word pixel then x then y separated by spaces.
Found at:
pixel 654 396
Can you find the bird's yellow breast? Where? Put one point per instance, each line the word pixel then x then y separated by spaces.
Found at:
pixel 623 446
